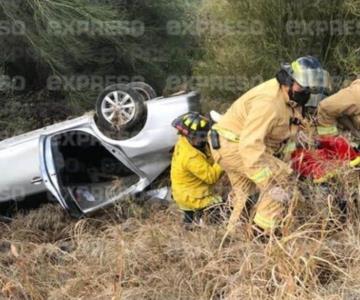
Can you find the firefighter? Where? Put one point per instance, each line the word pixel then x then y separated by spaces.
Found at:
pixel 256 128
pixel 193 171
pixel 344 106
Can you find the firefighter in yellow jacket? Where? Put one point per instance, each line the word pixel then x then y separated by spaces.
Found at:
pixel 345 103
pixel 193 171
pixel 256 128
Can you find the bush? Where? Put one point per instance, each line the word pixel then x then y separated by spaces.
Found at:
pixel 52 47
pixel 264 34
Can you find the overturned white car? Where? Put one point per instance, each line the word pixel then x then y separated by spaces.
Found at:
pixel 77 163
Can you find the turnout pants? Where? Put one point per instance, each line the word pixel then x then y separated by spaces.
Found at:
pixel 268 211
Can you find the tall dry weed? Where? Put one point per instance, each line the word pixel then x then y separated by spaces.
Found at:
pixel 128 253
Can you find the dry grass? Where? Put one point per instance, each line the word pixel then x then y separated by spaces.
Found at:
pixel 131 252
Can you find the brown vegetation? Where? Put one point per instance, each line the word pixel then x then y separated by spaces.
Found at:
pixel 134 252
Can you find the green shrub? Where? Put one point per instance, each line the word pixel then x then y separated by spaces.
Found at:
pixel 143 49
pixel 272 32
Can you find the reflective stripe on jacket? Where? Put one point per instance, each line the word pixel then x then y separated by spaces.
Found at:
pixel 327 130
pixel 227 134
pixel 193 175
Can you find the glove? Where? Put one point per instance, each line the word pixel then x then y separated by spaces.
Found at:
pixel 279 194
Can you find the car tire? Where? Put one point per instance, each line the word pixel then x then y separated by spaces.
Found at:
pixel 144 89
pixel 120 108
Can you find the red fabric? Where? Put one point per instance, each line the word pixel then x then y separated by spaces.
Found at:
pixel 331 153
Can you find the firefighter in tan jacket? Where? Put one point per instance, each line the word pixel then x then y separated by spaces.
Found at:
pixel 345 103
pixel 255 128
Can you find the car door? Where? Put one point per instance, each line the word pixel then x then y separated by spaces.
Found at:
pixel 84 173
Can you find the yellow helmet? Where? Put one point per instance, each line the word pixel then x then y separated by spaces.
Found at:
pixel 192 124
pixel 309 74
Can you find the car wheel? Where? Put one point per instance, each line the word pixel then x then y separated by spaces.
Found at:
pixel 144 89
pixel 120 107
